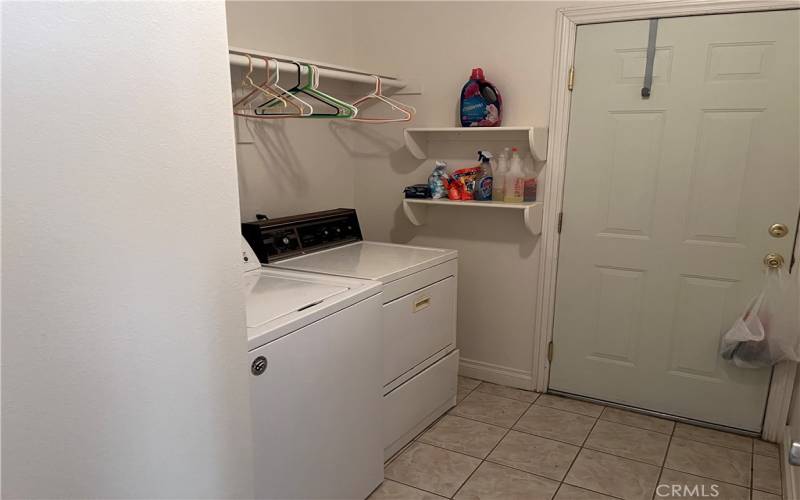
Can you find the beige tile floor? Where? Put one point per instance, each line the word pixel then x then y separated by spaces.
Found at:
pixel 505 444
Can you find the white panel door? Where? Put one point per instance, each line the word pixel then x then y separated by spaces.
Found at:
pixel 667 205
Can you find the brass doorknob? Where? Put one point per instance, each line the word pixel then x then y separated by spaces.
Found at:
pixel 773 260
pixel 778 230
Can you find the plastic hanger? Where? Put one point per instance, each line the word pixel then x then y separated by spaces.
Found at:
pixel 242 106
pixel 307 109
pixel 310 89
pixel 343 109
pixel 256 89
pixel 406 111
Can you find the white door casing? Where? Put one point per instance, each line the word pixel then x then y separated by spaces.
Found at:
pixel 666 204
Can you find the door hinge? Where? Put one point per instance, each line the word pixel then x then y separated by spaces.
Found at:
pixel 571 78
pixel 560 221
pixel 550 352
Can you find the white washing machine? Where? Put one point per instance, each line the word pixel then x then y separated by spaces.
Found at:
pixel 316 398
pixel 420 359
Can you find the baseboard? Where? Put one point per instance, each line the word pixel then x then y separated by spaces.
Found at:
pixel 790 473
pixel 495 373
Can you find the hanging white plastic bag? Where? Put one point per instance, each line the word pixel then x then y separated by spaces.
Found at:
pixel 769 330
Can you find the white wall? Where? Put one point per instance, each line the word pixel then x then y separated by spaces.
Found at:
pixel 292 166
pixel 513 43
pixel 124 355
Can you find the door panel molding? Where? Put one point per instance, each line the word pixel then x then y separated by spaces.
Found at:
pixel 567 21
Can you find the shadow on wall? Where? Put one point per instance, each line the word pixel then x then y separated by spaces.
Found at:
pixel 369 141
pixel 467 225
pixel 363 141
pixel 275 149
pixel 402 230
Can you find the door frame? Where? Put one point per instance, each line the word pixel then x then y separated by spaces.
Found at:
pixel 567 21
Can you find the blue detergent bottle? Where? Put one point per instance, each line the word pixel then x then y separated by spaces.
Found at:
pixel 481 104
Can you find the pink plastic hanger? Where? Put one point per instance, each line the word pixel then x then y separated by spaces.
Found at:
pixel 406 111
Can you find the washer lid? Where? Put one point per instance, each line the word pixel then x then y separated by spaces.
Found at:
pixel 271 297
pixel 369 260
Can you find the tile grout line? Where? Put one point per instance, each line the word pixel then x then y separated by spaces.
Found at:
pixel 717 445
pixel 726 446
pixel 752 447
pixel 582 447
pixel 600 417
pixel 570 411
pixel 638 426
pixel 638 460
pixel 415 487
pixel 553 439
pixel 706 477
pixel 496 445
pixel 575 459
pixel 671 435
pixel 520 430
pixel 664 461
pixel 415 439
pixel 538 394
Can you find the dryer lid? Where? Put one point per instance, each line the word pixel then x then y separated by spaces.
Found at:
pixel 271 297
pixel 369 260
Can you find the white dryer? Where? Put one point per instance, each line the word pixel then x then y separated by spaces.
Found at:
pixel 420 359
pixel 316 398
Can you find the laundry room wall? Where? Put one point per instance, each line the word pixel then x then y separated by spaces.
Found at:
pixel 297 166
pixel 292 166
pixel 125 370
pixel 499 261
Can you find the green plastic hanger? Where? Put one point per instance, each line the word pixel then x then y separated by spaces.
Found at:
pixel 343 109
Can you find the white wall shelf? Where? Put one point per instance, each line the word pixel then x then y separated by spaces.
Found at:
pixel 416 209
pixel 535 138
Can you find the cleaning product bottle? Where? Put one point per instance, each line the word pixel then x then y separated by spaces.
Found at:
pixel 529 190
pixel 484 183
pixel 515 179
pixel 481 104
pixel 437 181
pixel 499 177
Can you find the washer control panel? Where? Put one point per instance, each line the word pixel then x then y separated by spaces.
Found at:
pixel 276 239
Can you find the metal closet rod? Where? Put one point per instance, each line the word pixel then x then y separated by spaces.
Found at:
pixel 238 58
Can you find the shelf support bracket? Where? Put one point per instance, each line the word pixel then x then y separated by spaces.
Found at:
pixel 416 214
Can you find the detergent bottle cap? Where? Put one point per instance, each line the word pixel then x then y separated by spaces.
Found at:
pixel 477 74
